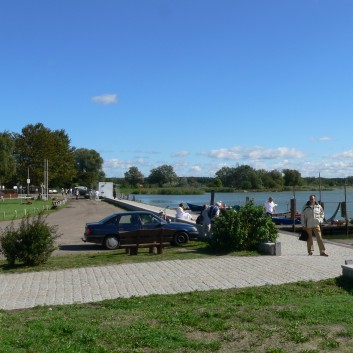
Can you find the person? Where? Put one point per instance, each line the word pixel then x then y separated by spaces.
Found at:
pixel 213 211
pixel 114 194
pixel 181 214
pixel 206 221
pixel 270 207
pixel 77 193
pixel 311 218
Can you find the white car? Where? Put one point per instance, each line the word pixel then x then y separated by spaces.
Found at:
pixel 52 191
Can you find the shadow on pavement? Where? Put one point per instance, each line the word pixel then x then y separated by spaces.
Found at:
pixel 83 247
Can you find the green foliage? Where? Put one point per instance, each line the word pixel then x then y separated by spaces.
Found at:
pixel 292 177
pixel 7 160
pixel 89 166
pixel 37 143
pixel 242 177
pixel 164 191
pixel 244 229
pixel 134 177
pixel 162 175
pixel 32 243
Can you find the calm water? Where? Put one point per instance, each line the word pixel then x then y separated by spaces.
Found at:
pixel 330 199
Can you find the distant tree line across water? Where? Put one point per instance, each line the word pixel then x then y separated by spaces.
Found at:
pixel 241 177
pixel 22 157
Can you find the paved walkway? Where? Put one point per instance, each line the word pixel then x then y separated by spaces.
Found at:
pixel 91 284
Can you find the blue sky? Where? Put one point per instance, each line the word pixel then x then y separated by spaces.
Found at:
pixel 196 84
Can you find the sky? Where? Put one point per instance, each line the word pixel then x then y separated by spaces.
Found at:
pixel 195 84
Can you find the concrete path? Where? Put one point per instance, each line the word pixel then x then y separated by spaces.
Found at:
pixel 91 284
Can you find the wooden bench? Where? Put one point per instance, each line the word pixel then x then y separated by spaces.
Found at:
pixel 155 243
pixel 57 203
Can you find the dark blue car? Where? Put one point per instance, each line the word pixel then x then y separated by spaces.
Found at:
pixel 110 231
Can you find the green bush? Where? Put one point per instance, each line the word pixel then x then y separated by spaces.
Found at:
pixel 32 243
pixel 241 230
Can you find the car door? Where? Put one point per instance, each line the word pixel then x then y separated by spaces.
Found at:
pixel 128 228
pixel 152 225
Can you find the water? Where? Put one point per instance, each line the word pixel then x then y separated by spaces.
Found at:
pixel 330 198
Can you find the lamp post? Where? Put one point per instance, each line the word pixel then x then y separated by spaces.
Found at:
pixel 28 182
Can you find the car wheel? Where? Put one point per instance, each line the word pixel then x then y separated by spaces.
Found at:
pixel 181 238
pixel 111 242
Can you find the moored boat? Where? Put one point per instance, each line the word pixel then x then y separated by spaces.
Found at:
pixel 285 220
pixel 194 208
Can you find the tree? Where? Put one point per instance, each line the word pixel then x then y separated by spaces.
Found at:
pixel 272 179
pixel 242 177
pixel 292 177
pixel 162 175
pixel 89 165
pixel 37 143
pixel 226 175
pixel 134 177
pixel 7 159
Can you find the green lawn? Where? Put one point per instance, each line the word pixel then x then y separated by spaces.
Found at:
pixel 18 208
pixel 190 251
pixel 305 317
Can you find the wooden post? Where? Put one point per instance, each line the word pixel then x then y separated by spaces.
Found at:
pixel 293 210
pixel 346 212
pixel 212 197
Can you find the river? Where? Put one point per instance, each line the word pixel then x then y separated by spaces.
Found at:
pixel 330 199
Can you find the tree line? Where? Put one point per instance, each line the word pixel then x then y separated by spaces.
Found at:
pixel 241 177
pixel 23 154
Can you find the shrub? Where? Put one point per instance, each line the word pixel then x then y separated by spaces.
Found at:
pixel 241 230
pixel 32 243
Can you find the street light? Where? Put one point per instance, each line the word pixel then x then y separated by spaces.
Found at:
pixel 28 181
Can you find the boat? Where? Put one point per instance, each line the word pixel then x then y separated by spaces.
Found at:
pixel 194 208
pixel 285 220
pixel 286 215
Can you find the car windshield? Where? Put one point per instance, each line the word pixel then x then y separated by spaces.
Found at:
pixel 147 219
pixel 129 219
pixel 106 219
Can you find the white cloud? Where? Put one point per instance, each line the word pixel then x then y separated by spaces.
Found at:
pixel 256 152
pixel 344 155
pixel 324 138
pixel 105 99
pixel 180 154
pixel 196 168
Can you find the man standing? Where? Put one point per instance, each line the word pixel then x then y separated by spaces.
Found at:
pixel 270 206
pixel 206 221
pixel 312 216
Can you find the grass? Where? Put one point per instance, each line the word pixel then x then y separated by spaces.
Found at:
pixel 191 250
pixel 18 208
pixel 305 317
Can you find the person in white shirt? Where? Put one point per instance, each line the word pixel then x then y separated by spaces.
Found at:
pixel 181 214
pixel 270 207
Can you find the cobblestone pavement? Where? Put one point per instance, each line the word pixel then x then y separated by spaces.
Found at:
pixel 92 284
